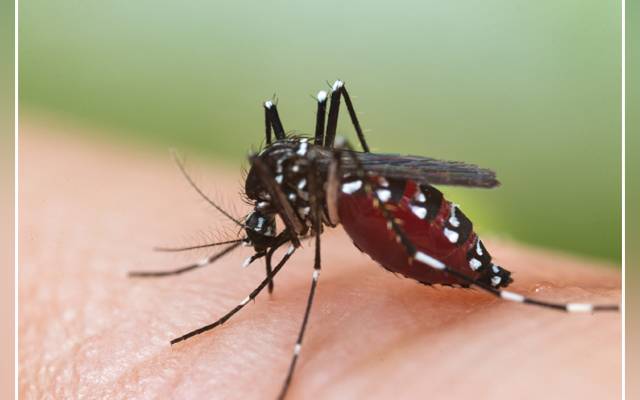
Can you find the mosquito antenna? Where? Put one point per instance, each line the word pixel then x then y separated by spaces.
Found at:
pixel 200 192
pixel 200 246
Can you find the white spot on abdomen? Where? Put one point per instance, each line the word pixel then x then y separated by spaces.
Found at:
pixel 453 236
pixel 384 195
pixel 419 211
pixel 474 263
pixel 453 220
pixel 351 187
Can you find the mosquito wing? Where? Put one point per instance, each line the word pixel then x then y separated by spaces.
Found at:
pixel 421 169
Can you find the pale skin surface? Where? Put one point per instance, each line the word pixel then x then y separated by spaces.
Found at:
pixel 90 212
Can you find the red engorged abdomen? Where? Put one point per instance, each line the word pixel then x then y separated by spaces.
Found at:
pixel 367 227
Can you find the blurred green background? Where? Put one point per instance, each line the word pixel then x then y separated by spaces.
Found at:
pixel 7 97
pixel 528 88
pixel 632 283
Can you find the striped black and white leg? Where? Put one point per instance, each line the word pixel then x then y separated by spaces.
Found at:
pixel 272 120
pixel 269 268
pixel 204 262
pixel 315 200
pixel 432 262
pixel 339 90
pixel 247 261
pixel 501 293
pixel 320 117
pixel 298 345
pixel 243 303
pixel 198 246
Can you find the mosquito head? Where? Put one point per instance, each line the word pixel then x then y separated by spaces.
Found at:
pixel 261 230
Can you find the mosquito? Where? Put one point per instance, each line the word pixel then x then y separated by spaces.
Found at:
pixel 386 203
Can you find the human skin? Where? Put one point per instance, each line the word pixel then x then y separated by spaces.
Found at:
pixel 91 211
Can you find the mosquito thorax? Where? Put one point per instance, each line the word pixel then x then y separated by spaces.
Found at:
pixel 288 163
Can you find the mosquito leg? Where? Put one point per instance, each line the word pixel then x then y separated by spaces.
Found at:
pixel 204 262
pixel 243 303
pixel 199 246
pixel 501 293
pixel 431 262
pixel 269 272
pixel 269 259
pixel 267 125
pixel 268 255
pixel 334 109
pixel 298 345
pixel 272 120
pixel 320 117
pixel 315 199
pixel 339 90
pixel 354 119
pixel 252 258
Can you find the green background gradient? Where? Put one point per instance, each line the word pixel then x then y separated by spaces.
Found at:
pixel 632 199
pixel 530 89
pixel 6 199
